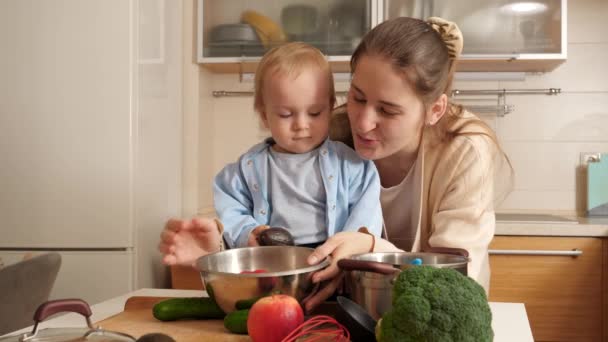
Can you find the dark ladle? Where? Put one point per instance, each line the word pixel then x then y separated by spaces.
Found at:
pixel 358 322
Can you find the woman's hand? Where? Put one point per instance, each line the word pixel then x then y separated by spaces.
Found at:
pixel 184 241
pixel 339 246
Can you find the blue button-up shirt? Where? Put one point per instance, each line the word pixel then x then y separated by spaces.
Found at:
pixel 352 187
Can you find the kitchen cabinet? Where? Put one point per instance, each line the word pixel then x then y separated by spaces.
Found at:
pixel 186 278
pixel 563 294
pixel 90 138
pixel 66 137
pixel 499 35
pixel 233 35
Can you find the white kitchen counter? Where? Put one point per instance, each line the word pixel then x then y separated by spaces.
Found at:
pixel 581 227
pixel 510 321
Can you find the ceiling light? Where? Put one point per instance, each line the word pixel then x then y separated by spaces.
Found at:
pixel 524 7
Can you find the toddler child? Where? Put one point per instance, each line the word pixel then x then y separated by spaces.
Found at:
pixel 298 179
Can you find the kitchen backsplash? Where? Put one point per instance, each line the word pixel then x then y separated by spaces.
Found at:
pixel 543 136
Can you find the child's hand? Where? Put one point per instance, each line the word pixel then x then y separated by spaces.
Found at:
pixel 184 241
pixel 253 240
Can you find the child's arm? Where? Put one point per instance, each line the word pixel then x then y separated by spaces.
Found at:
pixel 234 205
pixel 364 198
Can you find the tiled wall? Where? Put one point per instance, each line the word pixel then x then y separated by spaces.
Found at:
pixel 543 136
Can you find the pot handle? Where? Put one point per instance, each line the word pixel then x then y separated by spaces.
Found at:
pixel 367 266
pixel 448 250
pixel 52 307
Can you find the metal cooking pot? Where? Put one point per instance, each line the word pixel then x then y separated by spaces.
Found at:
pixel 228 277
pixel 370 277
pixel 88 333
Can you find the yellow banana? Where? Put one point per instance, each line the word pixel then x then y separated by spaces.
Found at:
pixel 269 32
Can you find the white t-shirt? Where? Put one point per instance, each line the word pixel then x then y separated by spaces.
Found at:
pixel 397 210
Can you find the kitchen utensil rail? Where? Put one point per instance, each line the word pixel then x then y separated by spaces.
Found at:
pixel 226 93
pixel 501 109
pixel 549 91
pixel 481 109
pixel 455 92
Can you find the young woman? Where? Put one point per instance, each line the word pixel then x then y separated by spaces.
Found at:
pixel 437 162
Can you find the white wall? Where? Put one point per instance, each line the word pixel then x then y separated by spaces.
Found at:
pixel 543 136
pixel 158 102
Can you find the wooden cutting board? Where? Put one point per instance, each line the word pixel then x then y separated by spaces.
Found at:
pixel 137 320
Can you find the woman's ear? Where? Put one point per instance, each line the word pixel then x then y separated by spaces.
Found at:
pixel 437 110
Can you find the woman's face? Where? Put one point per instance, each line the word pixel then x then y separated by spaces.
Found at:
pixel 386 116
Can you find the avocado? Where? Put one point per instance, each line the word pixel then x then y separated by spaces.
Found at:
pixel 276 236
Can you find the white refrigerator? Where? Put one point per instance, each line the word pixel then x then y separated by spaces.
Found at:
pixel 89 138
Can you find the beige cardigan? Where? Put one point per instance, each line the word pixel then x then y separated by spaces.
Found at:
pixel 455 191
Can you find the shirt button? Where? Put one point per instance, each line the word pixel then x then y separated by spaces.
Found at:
pixel 331 177
pixel 263 212
pixel 250 162
pixel 333 207
pixel 324 152
pixel 256 187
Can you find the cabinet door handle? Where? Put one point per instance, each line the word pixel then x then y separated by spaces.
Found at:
pixel 512 56
pixel 572 253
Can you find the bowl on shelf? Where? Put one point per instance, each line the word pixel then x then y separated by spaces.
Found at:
pixel 234 33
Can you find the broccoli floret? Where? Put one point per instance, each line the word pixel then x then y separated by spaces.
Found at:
pixel 435 305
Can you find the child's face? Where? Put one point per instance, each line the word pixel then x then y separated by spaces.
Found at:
pixel 297 110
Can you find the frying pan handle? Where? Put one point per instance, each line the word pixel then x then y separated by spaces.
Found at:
pixel 448 250
pixel 52 307
pixel 366 266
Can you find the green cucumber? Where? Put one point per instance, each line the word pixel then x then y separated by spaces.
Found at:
pixel 236 321
pixel 242 304
pixel 187 308
pixel 246 303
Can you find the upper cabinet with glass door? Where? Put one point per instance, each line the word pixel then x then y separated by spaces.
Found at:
pixel 499 35
pixel 234 34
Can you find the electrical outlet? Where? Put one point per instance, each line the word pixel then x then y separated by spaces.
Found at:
pixel 590 157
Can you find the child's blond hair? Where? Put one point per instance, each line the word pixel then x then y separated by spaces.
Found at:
pixel 290 59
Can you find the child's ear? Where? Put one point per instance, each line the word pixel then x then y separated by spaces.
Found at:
pixel 437 110
pixel 264 118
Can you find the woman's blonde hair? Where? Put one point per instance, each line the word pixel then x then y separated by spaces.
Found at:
pixel 291 59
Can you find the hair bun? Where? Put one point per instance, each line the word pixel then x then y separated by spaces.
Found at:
pixel 450 34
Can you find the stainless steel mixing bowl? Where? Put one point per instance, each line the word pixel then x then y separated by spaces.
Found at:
pixel 286 272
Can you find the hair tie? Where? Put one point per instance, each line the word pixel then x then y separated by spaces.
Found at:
pixel 450 34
